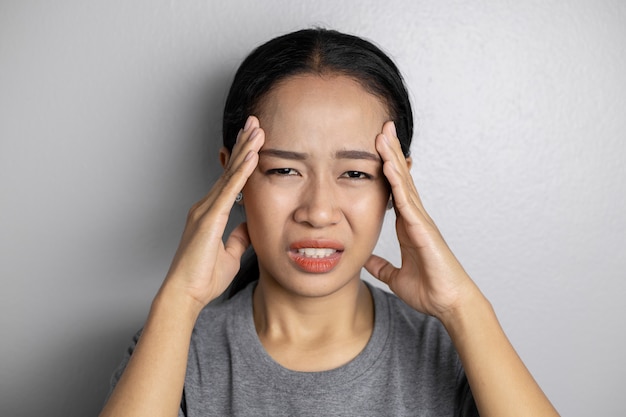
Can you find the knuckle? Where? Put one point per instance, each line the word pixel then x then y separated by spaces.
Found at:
pixel 194 212
pixel 227 175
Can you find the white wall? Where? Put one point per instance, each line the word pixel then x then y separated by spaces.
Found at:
pixel 109 128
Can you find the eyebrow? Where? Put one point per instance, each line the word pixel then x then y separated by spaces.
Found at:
pixel 278 153
pixel 345 154
pixel 299 156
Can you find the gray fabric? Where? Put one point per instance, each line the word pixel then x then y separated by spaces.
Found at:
pixel 408 368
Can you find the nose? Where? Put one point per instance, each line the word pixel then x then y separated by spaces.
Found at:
pixel 318 207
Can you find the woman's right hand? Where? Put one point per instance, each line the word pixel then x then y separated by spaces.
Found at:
pixel 204 266
pixel 152 383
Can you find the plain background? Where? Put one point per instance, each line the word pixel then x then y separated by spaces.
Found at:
pixel 109 131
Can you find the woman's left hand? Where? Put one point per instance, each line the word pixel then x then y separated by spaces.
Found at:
pixel 431 279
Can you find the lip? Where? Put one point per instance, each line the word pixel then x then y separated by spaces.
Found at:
pixel 316 265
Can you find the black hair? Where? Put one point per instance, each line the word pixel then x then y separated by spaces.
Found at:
pixel 311 51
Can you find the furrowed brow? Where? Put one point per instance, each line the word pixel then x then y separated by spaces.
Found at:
pixel 278 153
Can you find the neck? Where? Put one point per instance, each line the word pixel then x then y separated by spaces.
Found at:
pixel 313 333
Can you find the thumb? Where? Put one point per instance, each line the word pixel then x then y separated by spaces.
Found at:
pixel 381 269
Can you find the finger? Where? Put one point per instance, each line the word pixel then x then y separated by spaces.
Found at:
pixel 238 170
pixel 249 142
pixel 241 147
pixel 388 146
pixel 407 192
pixel 381 269
pixel 234 179
pixel 389 130
pixel 396 170
pixel 244 137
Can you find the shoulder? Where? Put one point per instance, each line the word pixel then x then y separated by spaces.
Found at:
pixel 219 312
pixel 420 355
pixel 221 322
pixel 408 325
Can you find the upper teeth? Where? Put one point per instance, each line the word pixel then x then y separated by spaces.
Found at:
pixel 316 252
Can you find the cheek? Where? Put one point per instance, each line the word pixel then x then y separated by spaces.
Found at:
pixel 367 208
pixel 265 206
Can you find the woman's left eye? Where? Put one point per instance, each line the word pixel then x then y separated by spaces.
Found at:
pixel 356 175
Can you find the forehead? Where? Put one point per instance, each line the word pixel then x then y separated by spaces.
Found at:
pixel 313 110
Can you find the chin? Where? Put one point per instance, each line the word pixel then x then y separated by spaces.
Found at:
pixel 312 285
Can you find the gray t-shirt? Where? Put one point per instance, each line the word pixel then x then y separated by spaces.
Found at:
pixel 408 368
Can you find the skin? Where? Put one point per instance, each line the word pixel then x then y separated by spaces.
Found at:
pixel 328 315
pixel 319 177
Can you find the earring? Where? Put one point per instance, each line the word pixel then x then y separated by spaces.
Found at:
pixel 390 204
pixel 239 198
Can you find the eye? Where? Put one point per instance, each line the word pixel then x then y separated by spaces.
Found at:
pixel 283 172
pixel 356 175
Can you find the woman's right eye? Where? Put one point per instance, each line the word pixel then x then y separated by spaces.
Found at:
pixel 282 172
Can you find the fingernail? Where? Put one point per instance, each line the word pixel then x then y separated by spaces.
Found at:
pixel 248 156
pixel 238 135
pixel 253 135
pixel 248 123
pixel 393 129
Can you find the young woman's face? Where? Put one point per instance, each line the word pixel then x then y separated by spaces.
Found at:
pixel 316 201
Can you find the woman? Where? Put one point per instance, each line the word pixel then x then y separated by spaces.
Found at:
pixel 317 129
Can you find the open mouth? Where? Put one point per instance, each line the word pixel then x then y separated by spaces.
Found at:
pixel 316 253
pixel 316 256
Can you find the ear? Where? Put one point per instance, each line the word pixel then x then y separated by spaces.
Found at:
pixel 224 156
